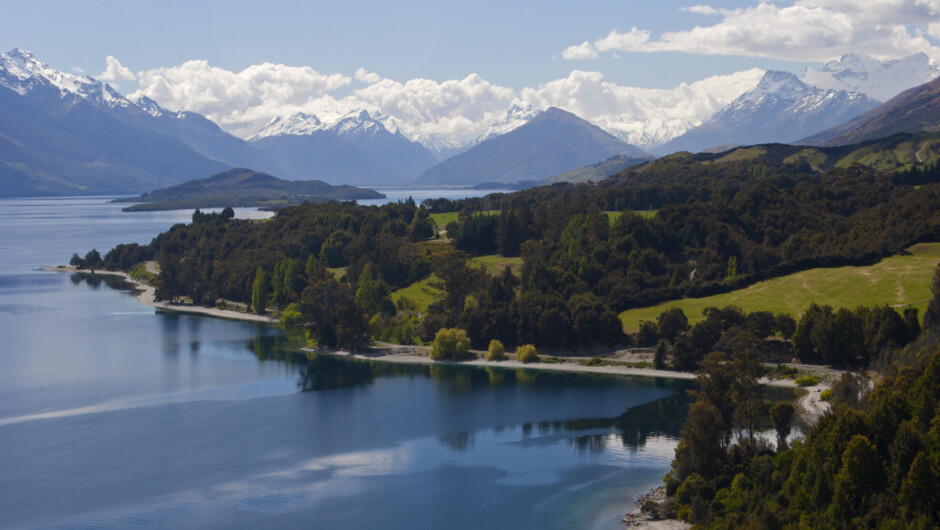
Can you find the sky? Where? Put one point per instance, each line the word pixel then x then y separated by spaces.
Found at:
pixel 449 66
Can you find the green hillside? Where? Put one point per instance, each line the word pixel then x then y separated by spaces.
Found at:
pixel 895 281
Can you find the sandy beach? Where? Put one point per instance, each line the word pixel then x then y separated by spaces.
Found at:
pixel 146 294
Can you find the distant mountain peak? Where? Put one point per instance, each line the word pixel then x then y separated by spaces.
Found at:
pixel 297 124
pixel 881 80
pixel 22 72
pixel 781 108
pixel 516 117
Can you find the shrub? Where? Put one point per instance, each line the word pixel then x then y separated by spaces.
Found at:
pixel 826 395
pixel 496 351
pixel 450 343
pixel 527 354
pixel 291 316
pixel 806 380
pixel 594 361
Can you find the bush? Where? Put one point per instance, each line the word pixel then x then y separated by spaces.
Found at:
pixel 291 316
pixel 450 343
pixel 594 361
pixel 496 351
pixel 527 354
pixel 826 395
pixel 806 380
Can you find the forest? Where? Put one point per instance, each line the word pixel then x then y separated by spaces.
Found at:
pixel 873 461
pixel 586 253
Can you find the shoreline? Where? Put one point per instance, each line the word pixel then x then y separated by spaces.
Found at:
pixel 146 294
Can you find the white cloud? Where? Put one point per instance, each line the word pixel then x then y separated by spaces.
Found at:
pixel 115 71
pixel 644 116
pixel 632 40
pixel 807 30
pixel 240 102
pixel 701 10
pixel 580 51
pixel 452 111
pixel 364 76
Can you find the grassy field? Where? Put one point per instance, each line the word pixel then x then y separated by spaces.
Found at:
pixel 494 264
pixel 441 219
pixel 646 214
pixel 896 281
pixel 421 294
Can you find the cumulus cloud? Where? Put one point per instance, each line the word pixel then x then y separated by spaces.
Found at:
pixel 632 40
pixel 580 51
pixel 807 30
pixel 115 71
pixel 443 113
pixel 701 10
pixel 364 76
pixel 239 101
pixel 643 116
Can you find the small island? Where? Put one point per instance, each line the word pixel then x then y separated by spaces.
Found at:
pixel 245 188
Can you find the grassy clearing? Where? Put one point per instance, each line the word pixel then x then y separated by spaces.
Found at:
pixel 897 281
pixel 337 272
pixel 442 219
pixel 646 214
pixel 421 294
pixel 495 263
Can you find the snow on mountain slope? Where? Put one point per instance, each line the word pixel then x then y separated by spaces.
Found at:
pixel 780 109
pixel 22 72
pixel 881 80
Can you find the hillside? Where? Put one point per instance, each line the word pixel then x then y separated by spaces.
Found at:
pixel 553 142
pixel 245 187
pixel 599 171
pixel 912 111
pixel 898 281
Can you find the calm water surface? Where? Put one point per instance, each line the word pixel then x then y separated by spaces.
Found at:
pixel 113 414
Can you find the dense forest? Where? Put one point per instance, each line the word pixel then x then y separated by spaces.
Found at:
pixel 588 251
pixel 874 461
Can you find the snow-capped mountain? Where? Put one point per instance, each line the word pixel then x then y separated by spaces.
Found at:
pixel 881 80
pixel 516 117
pixel 780 109
pixel 356 149
pixel 295 124
pixel 72 134
pixel 23 73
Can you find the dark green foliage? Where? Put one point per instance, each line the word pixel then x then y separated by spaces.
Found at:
pixel 780 415
pixel 659 356
pixel 932 314
pixel 874 466
pixel 671 323
pixel 849 338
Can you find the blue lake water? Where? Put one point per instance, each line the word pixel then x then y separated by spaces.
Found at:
pixel 113 414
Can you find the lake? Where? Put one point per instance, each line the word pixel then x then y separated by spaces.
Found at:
pixel 113 414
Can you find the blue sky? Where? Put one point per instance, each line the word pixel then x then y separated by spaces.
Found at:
pixel 513 44
pixel 449 69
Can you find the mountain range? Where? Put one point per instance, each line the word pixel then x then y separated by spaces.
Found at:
pixel 63 134
pixel 358 149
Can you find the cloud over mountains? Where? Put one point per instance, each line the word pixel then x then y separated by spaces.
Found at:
pixel 451 112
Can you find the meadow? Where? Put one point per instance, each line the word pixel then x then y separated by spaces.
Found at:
pixel 898 281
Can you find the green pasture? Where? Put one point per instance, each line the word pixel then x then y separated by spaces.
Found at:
pixel 442 219
pixel 421 293
pixel 494 264
pixel 898 281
